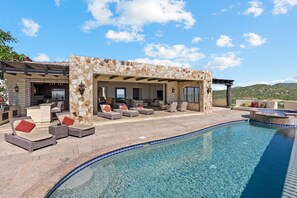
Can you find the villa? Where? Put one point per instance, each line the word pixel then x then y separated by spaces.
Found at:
pixel 135 157
pixel 34 83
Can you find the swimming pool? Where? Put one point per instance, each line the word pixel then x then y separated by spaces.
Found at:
pixel 236 160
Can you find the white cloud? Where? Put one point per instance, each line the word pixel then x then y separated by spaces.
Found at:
pixel 256 8
pixel 230 7
pixel 283 6
pixel 224 41
pixel 134 14
pixel 30 28
pixel 42 57
pixel 57 3
pixel 159 34
pixel 175 52
pixel 196 40
pixel 254 39
pixel 242 46
pixel 124 36
pixel 164 62
pixel 224 61
pixel 175 55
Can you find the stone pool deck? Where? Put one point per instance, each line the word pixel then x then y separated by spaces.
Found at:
pixel 24 174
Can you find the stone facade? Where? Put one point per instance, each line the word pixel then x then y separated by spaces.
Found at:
pixel 82 70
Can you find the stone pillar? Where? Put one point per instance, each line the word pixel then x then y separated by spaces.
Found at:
pixel 81 106
pixel 95 96
pixel 229 95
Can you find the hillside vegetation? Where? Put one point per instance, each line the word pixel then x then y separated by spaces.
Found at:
pixel 281 91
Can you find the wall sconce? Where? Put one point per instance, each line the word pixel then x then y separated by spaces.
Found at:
pixel 173 90
pixel 209 89
pixel 81 88
pixel 16 88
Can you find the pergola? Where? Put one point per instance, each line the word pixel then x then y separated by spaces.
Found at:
pixel 29 68
pixel 228 84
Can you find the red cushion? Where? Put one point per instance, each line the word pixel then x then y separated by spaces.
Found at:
pixel 107 108
pixel 25 126
pixel 139 106
pixel 255 104
pixel 67 121
pixel 124 107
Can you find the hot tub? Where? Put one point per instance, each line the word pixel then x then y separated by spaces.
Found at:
pixel 279 117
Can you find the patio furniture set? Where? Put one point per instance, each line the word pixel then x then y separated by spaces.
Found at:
pixel 122 110
pixel 26 135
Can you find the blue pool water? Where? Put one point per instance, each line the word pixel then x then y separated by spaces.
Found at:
pixel 238 160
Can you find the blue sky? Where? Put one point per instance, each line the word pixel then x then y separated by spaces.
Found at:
pixel 248 41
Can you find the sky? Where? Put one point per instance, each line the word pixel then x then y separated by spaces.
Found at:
pixel 247 41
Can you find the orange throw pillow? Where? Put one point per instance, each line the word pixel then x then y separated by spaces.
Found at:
pixel 67 121
pixel 139 106
pixel 124 107
pixel 25 126
pixel 107 108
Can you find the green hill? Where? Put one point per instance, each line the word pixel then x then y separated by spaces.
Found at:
pixel 281 91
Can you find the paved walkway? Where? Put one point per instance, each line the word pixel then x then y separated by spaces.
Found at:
pixel 24 174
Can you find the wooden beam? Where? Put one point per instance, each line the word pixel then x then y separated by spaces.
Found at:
pixel 172 80
pixel 141 78
pixel 162 80
pixel 96 76
pixel 42 75
pixel 14 74
pixel 151 79
pixel 128 77
pixel 113 77
pixel 56 76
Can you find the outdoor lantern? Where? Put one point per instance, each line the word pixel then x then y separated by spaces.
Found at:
pixel 16 88
pixel 173 90
pixel 81 88
pixel 209 89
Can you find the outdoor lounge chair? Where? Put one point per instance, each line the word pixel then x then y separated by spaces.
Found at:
pixel 109 115
pixel 37 138
pixel 126 112
pixel 142 110
pixel 172 107
pixel 182 106
pixel 77 130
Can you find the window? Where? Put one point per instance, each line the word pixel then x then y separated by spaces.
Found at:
pixel 120 94
pixel 191 94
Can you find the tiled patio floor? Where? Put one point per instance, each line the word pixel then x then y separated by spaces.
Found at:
pixel 24 174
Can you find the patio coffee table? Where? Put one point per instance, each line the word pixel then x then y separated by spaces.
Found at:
pixel 60 131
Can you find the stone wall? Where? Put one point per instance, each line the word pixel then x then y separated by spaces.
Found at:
pixel 82 70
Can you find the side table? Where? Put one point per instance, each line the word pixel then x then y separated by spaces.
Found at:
pixel 60 131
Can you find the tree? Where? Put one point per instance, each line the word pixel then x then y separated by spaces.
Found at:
pixel 7 52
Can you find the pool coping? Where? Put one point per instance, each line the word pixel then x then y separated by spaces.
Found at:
pixel 133 147
pixel 290 185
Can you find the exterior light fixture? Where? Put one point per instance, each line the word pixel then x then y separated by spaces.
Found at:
pixel 209 89
pixel 16 88
pixel 173 90
pixel 81 88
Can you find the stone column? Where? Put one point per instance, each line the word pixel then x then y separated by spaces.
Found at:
pixel 81 106
pixel 229 95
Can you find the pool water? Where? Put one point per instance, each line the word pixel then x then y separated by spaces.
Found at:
pixel 238 160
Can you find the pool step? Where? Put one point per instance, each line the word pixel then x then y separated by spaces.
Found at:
pixel 290 187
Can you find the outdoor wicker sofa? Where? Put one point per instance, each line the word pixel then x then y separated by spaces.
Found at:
pixel 112 115
pixel 37 138
pixel 77 130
